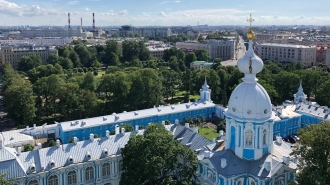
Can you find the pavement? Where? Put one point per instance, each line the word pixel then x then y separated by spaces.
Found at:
pixel 239 53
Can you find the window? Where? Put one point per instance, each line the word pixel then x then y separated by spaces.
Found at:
pixel 279 182
pixel 94 128
pixel 72 177
pixel 264 137
pixel 106 169
pixel 252 183
pixel 82 131
pixel 33 182
pixel 89 173
pixel 89 129
pixel 239 183
pixel 248 138
pixel 53 180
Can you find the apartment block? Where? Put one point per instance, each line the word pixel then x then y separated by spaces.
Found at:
pixel 285 53
pixel 13 54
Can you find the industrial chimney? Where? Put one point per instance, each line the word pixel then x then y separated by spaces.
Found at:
pixel 93 21
pixel 69 20
pixel 81 22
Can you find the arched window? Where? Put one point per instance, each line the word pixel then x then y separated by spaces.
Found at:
pixel 53 180
pixel 239 183
pixel 33 182
pixel 89 173
pixel 72 177
pixel 252 183
pixel 248 138
pixel 106 169
pixel 120 165
pixel 264 140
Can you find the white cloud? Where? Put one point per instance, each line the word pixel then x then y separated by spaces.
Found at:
pixel 123 13
pixel 145 14
pixel 73 2
pixel 23 10
pixel 162 14
pixel 87 9
pixel 165 2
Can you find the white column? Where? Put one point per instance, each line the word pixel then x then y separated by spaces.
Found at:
pixel 113 167
pixel 236 135
pixel 228 133
pixel 260 137
pixel 242 136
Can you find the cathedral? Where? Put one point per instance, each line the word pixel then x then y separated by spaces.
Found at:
pixel 250 156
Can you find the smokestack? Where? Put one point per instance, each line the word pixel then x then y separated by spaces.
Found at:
pixel 93 21
pixel 69 20
pixel 81 22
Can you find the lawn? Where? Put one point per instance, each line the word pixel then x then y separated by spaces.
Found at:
pixel 208 132
pixel 194 97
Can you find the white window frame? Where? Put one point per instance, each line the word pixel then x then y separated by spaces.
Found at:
pixel 72 177
pixel 53 180
pixel 106 170
pixel 89 173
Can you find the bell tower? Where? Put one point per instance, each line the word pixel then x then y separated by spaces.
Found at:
pixel 205 92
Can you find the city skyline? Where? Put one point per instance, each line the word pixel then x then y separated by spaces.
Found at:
pixel 162 13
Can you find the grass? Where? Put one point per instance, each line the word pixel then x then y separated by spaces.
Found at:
pixel 208 132
pixel 194 97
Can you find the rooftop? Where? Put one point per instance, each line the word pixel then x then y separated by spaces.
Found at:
pixel 133 115
pixel 285 45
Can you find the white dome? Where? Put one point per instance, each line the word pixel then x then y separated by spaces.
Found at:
pixel 250 101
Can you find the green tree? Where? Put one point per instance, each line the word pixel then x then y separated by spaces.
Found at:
pixel 286 84
pixel 83 54
pixel 202 55
pixel 20 102
pixel 89 82
pixel 28 147
pixel 96 64
pixel 190 57
pixel 5 181
pixel 127 127
pixel 313 154
pixel 52 59
pixel 66 63
pixel 29 62
pixel 153 157
pixel 322 93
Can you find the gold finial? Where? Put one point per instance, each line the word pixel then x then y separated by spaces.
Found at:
pixel 250 34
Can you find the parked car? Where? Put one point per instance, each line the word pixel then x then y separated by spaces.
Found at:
pixel 292 139
pixel 296 137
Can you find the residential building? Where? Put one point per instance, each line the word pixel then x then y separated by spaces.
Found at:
pixel 201 65
pixel 13 53
pixel 65 33
pixel 127 30
pixel 321 54
pixel 157 52
pixel 50 41
pixel 224 49
pixel 285 53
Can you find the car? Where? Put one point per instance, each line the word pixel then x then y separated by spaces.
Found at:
pixel 296 137
pixel 292 139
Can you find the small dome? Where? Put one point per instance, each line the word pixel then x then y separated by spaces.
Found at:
pixel 250 101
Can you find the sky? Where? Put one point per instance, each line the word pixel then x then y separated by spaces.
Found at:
pixel 164 12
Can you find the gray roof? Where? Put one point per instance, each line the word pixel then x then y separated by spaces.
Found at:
pixel 191 139
pixel 133 115
pixel 19 166
pixel 313 110
pixel 237 166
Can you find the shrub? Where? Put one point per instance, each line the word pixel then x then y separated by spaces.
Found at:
pixel 51 143
pixel 28 147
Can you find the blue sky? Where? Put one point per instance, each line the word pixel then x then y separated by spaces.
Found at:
pixel 164 12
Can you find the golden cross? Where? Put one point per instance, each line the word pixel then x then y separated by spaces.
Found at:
pixel 250 20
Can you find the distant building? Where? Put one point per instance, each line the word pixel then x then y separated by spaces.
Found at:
pixel 158 52
pixel 127 30
pixel 321 54
pixel 224 49
pixel 13 54
pixel 201 65
pixel 285 53
pixel 48 41
pixel 52 33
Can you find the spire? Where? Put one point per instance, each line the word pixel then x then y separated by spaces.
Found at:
pixel 300 96
pixel 250 64
pixel 205 86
